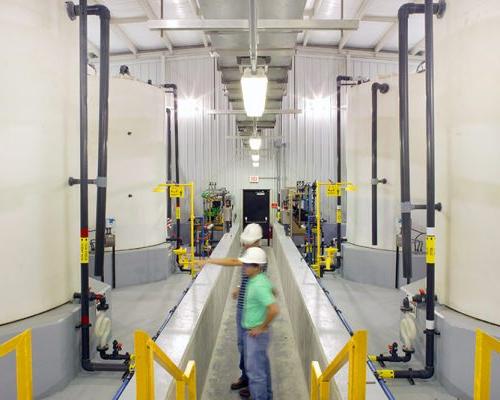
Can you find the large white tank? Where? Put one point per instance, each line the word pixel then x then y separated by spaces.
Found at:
pixel 136 161
pixel 468 157
pixel 39 232
pixel 358 159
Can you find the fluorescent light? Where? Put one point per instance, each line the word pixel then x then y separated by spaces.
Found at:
pixel 255 143
pixel 255 164
pixel 254 88
pixel 255 157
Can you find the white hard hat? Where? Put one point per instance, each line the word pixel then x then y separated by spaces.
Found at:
pixel 251 234
pixel 254 255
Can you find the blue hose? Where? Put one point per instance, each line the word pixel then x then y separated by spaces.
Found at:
pixel 340 314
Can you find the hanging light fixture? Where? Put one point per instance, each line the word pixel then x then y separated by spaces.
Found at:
pixel 255 157
pixel 254 89
pixel 255 164
pixel 255 143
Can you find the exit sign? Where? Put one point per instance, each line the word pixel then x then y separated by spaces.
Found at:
pixel 254 179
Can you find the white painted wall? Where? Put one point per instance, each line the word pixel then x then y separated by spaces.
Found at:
pixel 468 157
pixel 39 151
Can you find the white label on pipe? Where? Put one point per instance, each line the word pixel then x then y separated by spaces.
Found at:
pixel 430 324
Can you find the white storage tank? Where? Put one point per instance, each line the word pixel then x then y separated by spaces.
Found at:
pixel 136 161
pixel 358 160
pixel 38 152
pixel 468 157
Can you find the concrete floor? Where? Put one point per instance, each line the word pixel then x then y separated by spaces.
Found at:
pixel 376 309
pixel 287 375
pixel 135 307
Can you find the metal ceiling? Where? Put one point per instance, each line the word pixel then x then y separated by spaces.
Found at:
pixel 131 34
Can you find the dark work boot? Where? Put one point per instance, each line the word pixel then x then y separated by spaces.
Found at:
pixel 245 393
pixel 239 384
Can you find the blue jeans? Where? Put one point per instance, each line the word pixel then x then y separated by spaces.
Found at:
pixel 241 332
pixel 258 366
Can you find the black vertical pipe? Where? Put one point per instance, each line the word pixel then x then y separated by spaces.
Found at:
pixel 84 186
pixel 169 160
pixel 173 87
pixel 102 161
pixel 82 10
pixel 403 15
pixel 429 85
pixel 383 88
pixel 429 9
pixel 340 79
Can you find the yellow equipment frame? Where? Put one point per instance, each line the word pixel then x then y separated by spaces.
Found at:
pixel 185 259
pixel 21 345
pixel 485 346
pixel 327 260
pixel 353 352
pixel 146 352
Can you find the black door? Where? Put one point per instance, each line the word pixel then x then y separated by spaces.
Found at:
pixel 256 209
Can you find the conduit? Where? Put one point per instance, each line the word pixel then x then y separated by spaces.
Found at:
pixel 382 88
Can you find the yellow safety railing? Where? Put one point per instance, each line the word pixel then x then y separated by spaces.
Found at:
pixel 353 352
pixel 486 345
pixel 176 190
pixel 146 352
pixel 21 345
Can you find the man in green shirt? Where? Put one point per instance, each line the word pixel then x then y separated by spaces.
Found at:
pixel 259 310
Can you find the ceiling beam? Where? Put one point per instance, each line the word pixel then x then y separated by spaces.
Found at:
pixel 314 11
pixel 359 14
pixel 269 25
pixel 385 37
pixel 197 12
pixel 243 112
pixel 121 34
pixel 418 47
pixel 379 18
pixel 151 14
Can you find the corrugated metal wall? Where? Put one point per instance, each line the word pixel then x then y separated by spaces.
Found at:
pixel 310 137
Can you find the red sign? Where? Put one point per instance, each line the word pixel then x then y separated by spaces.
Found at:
pixel 254 179
pixel 274 205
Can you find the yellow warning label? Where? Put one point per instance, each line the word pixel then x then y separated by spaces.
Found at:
pixel 333 190
pixel 430 245
pixel 176 191
pixel 177 213
pixel 84 250
pixel 339 216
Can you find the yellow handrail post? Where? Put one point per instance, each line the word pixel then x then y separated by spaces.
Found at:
pixel 21 345
pixel 147 351
pixel 144 371
pixel 485 345
pixel 353 352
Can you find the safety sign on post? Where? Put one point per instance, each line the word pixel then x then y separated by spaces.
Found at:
pixel 333 190
pixel 177 213
pixel 176 191
pixel 84 250
pixel 430 245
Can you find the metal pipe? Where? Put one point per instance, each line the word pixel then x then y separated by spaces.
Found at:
pixel 102 161
pixel 429 9
pixel 383 88
pixel 340 79
pixel 253 33
pixel 169 160
pixel 82 10
pixel 173 87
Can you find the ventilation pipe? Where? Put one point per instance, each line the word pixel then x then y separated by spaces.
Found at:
pixel 342 80
pixel 429 9
pixel 169 160
pixel 82 11
pixel 382 88
pixel 172 88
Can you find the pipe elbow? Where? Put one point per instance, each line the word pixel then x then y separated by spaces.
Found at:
pixel 100 10
pixel 341 78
